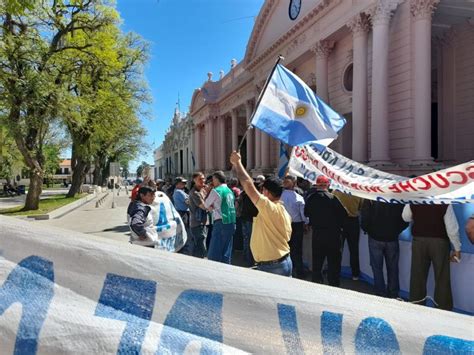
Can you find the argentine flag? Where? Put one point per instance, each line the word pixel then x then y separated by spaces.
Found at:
pixel 290 112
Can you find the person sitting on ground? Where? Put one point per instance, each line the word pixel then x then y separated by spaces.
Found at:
pixel 383 223
pixel 272 226
pixel 142 227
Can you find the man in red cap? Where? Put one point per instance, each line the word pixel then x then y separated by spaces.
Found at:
pixel 326 216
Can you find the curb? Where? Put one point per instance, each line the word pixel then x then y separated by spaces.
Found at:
pixel 61 211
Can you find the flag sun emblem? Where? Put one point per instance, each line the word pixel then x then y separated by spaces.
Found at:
pixel 300 111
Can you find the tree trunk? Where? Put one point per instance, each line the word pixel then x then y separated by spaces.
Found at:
pixel 34 192
pixel 78 175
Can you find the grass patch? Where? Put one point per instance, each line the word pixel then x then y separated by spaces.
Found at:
pixel 46 205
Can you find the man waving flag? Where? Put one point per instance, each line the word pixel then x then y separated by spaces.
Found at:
pixel 290 112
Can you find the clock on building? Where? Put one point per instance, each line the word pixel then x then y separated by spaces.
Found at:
pixel 294 9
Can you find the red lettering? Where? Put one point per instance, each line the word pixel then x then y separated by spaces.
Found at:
pixel 427 183
pixel 394 188
pixel 298 152
pixel 460 173
pixel 442 183
pixel 405 185
pixel 375 189
pixel 471 175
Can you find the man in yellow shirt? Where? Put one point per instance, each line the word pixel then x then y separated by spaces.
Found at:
pixel 272 226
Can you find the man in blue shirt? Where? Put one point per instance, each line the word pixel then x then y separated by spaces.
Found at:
pixel 294 205
pixel 181 199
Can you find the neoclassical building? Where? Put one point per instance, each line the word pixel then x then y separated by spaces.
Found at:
pixel 175 156
pixel 400 71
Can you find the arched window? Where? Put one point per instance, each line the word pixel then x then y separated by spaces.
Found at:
pixel 347 78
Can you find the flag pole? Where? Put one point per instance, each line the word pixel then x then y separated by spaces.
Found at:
pixel 260 96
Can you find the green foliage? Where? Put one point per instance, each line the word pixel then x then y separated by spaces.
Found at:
pixel 66 63
pixel 142 169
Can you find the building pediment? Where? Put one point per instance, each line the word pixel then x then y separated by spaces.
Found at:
pixel 274 27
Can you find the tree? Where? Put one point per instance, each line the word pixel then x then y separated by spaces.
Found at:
pixel 105 96
pixel 52 161
pixel 34 42
pixel 142 169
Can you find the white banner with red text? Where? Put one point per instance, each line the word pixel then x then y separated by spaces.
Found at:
pixel 448 186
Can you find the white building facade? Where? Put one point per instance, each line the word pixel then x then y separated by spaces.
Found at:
pixel 175 157
pixel 400 71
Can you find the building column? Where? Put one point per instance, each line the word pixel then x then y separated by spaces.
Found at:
pixel 250 136
pixel 422 12
pixel 359 27
pixel 322 49
pixel 212 143
pixel 207 143
pixel 258 148
pixel 221 141
pixel 197 147
pixel 379 135
pixel 235 136
pixel 265 149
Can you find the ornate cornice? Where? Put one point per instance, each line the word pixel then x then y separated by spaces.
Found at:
pixel 359 24
pixel 422 9
pixel 383 10
pixel 322 49
pixel 262 19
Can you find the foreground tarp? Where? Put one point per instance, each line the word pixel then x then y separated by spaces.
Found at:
pixel 452 185
pixel 66 292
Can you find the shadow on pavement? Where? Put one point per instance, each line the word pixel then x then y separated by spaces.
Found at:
pixel 118 229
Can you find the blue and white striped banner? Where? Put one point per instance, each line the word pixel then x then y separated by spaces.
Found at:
pixel 63 292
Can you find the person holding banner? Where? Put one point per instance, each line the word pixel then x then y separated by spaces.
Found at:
pixel 272 226
pixel 142 227
pixel 326 216
pixel 434 226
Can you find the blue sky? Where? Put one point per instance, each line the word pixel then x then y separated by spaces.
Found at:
pixel 188 38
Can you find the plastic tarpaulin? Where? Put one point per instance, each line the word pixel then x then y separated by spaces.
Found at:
pixel 67 292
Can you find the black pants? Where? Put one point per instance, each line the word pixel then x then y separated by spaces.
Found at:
pixel 424 252
pixel 350 231
pixel 296 249
pixel 327 244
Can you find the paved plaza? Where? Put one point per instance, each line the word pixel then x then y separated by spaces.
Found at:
pixel 111 223
pixel 103 221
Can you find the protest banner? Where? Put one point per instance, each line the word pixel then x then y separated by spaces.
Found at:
pixel 448 186
pixel 67 292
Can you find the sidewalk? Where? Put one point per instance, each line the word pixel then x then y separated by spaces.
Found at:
pixel 104 221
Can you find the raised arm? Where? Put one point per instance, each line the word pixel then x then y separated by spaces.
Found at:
pixel 244 178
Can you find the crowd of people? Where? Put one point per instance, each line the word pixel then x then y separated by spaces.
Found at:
pixel 274 214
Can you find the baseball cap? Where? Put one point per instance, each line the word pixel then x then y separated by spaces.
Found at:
pixel 180 179
pixel 260 178
pixel 322 180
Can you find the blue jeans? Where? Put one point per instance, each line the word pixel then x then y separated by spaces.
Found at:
pixel 246 234
pixel 220 248
pixel 198 235
pixel 390 251
pixel 283 268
